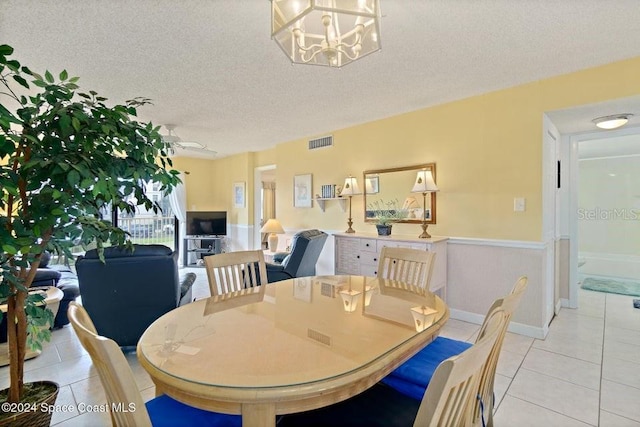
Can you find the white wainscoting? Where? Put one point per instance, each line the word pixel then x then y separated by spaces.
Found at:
pixel 478 272
pixel 481 270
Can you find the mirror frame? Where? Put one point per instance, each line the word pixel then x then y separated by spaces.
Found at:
pixel 428 166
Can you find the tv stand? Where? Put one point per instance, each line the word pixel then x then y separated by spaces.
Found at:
pixel 202 246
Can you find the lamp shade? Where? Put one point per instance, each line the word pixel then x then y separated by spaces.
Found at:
pixel 272 226
pixel 424 183
pixel 350 187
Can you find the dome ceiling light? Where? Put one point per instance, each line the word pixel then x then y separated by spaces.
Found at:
pixel 612 122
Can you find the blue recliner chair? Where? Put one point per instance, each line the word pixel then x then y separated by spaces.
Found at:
pixel 130 290
pixel 301 262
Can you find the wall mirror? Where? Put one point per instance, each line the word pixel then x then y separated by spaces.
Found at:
pixel 396 184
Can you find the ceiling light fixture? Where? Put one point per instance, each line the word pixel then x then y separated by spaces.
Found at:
pixel 331 33
pixel 612 122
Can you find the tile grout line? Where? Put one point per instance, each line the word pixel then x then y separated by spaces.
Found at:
pixel 496 407
pixel 604 332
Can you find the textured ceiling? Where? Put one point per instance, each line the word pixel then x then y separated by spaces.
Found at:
pixel 211 68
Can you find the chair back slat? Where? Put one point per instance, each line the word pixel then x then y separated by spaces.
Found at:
pixel 406 265
pixel 115 373
pixel 234 271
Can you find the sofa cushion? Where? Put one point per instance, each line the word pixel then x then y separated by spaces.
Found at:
pixel 122 251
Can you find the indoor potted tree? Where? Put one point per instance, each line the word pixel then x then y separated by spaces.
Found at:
pixel 385 214
pixel 66 159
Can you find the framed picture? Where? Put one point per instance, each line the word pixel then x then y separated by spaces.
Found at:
pixel 372 185
pixel 303 289
pixel 238 194
pixel 302 191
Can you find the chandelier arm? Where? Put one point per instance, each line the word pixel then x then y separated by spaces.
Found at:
pixel 307 49
pixel 305 61
pixel 346 53
pixel 357 41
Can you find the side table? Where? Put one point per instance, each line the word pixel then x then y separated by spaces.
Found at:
pixel 52 299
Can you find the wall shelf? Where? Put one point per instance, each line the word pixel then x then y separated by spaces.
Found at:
pixel 322 200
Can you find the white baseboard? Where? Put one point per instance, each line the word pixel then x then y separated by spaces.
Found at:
pixel 516 328
pixel 559 305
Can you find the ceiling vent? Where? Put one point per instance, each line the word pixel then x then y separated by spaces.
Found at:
pixel 325 141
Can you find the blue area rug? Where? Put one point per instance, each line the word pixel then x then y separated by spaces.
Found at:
pixel 623 287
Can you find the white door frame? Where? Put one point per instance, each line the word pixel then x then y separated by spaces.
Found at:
pixel 257 202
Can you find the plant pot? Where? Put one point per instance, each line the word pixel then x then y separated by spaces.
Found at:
pixel 384 230
pixel 34 414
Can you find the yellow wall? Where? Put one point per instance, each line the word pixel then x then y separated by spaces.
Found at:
pixel 210 184
pixel 488 150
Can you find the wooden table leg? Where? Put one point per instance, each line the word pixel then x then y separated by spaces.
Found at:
pixel 258 415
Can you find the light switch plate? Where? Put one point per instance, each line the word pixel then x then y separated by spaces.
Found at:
pixel 519 204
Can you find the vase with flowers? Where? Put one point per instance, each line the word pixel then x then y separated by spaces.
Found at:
pixel 385 214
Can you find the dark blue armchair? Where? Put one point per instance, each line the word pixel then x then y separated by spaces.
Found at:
pixel 301 262
pixel 130 290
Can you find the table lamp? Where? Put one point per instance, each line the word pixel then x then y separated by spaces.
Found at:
pixel 423 317
pixel 424 184
pixel 273 227
pixel 350 189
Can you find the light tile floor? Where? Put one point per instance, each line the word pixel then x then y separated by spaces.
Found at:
pixel 585 373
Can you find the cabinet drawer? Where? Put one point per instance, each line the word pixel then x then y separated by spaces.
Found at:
pixel 368 245
pixel 369 258
pixel 368 270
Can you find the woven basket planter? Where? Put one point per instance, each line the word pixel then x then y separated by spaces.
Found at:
pixel 38 414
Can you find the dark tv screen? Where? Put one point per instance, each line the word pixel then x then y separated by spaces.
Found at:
pixel 206 223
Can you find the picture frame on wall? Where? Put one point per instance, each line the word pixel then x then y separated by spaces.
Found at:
pixel 302 191
pixel 372 185
pixel 238 195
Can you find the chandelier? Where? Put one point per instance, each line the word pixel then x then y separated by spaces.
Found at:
pixel 332 33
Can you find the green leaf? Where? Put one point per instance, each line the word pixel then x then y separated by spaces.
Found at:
pixel 73 177
pixel 6 114
pixel 64 75
pixel 21 81
pixel 9 249
pixel 13 65
pixel 6 50
pixel 48 76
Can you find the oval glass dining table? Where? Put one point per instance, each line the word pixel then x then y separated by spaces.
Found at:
pixel 288 346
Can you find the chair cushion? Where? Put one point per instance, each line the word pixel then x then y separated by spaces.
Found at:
pixel 379 406
pixel 165 411
pixel 420 368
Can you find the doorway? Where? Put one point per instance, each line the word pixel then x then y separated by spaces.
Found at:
pixel 609 210
pixel 605 207
pixel 264 200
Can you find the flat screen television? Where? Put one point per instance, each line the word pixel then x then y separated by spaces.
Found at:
pixel 206 223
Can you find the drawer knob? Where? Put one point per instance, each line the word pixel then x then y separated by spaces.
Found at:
pixel 358 256
pixel 375 259
pixel 366 244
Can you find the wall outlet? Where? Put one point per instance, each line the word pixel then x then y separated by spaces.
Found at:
pixel 519 204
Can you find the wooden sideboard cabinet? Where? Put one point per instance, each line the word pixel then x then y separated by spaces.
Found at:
pixel 358 254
